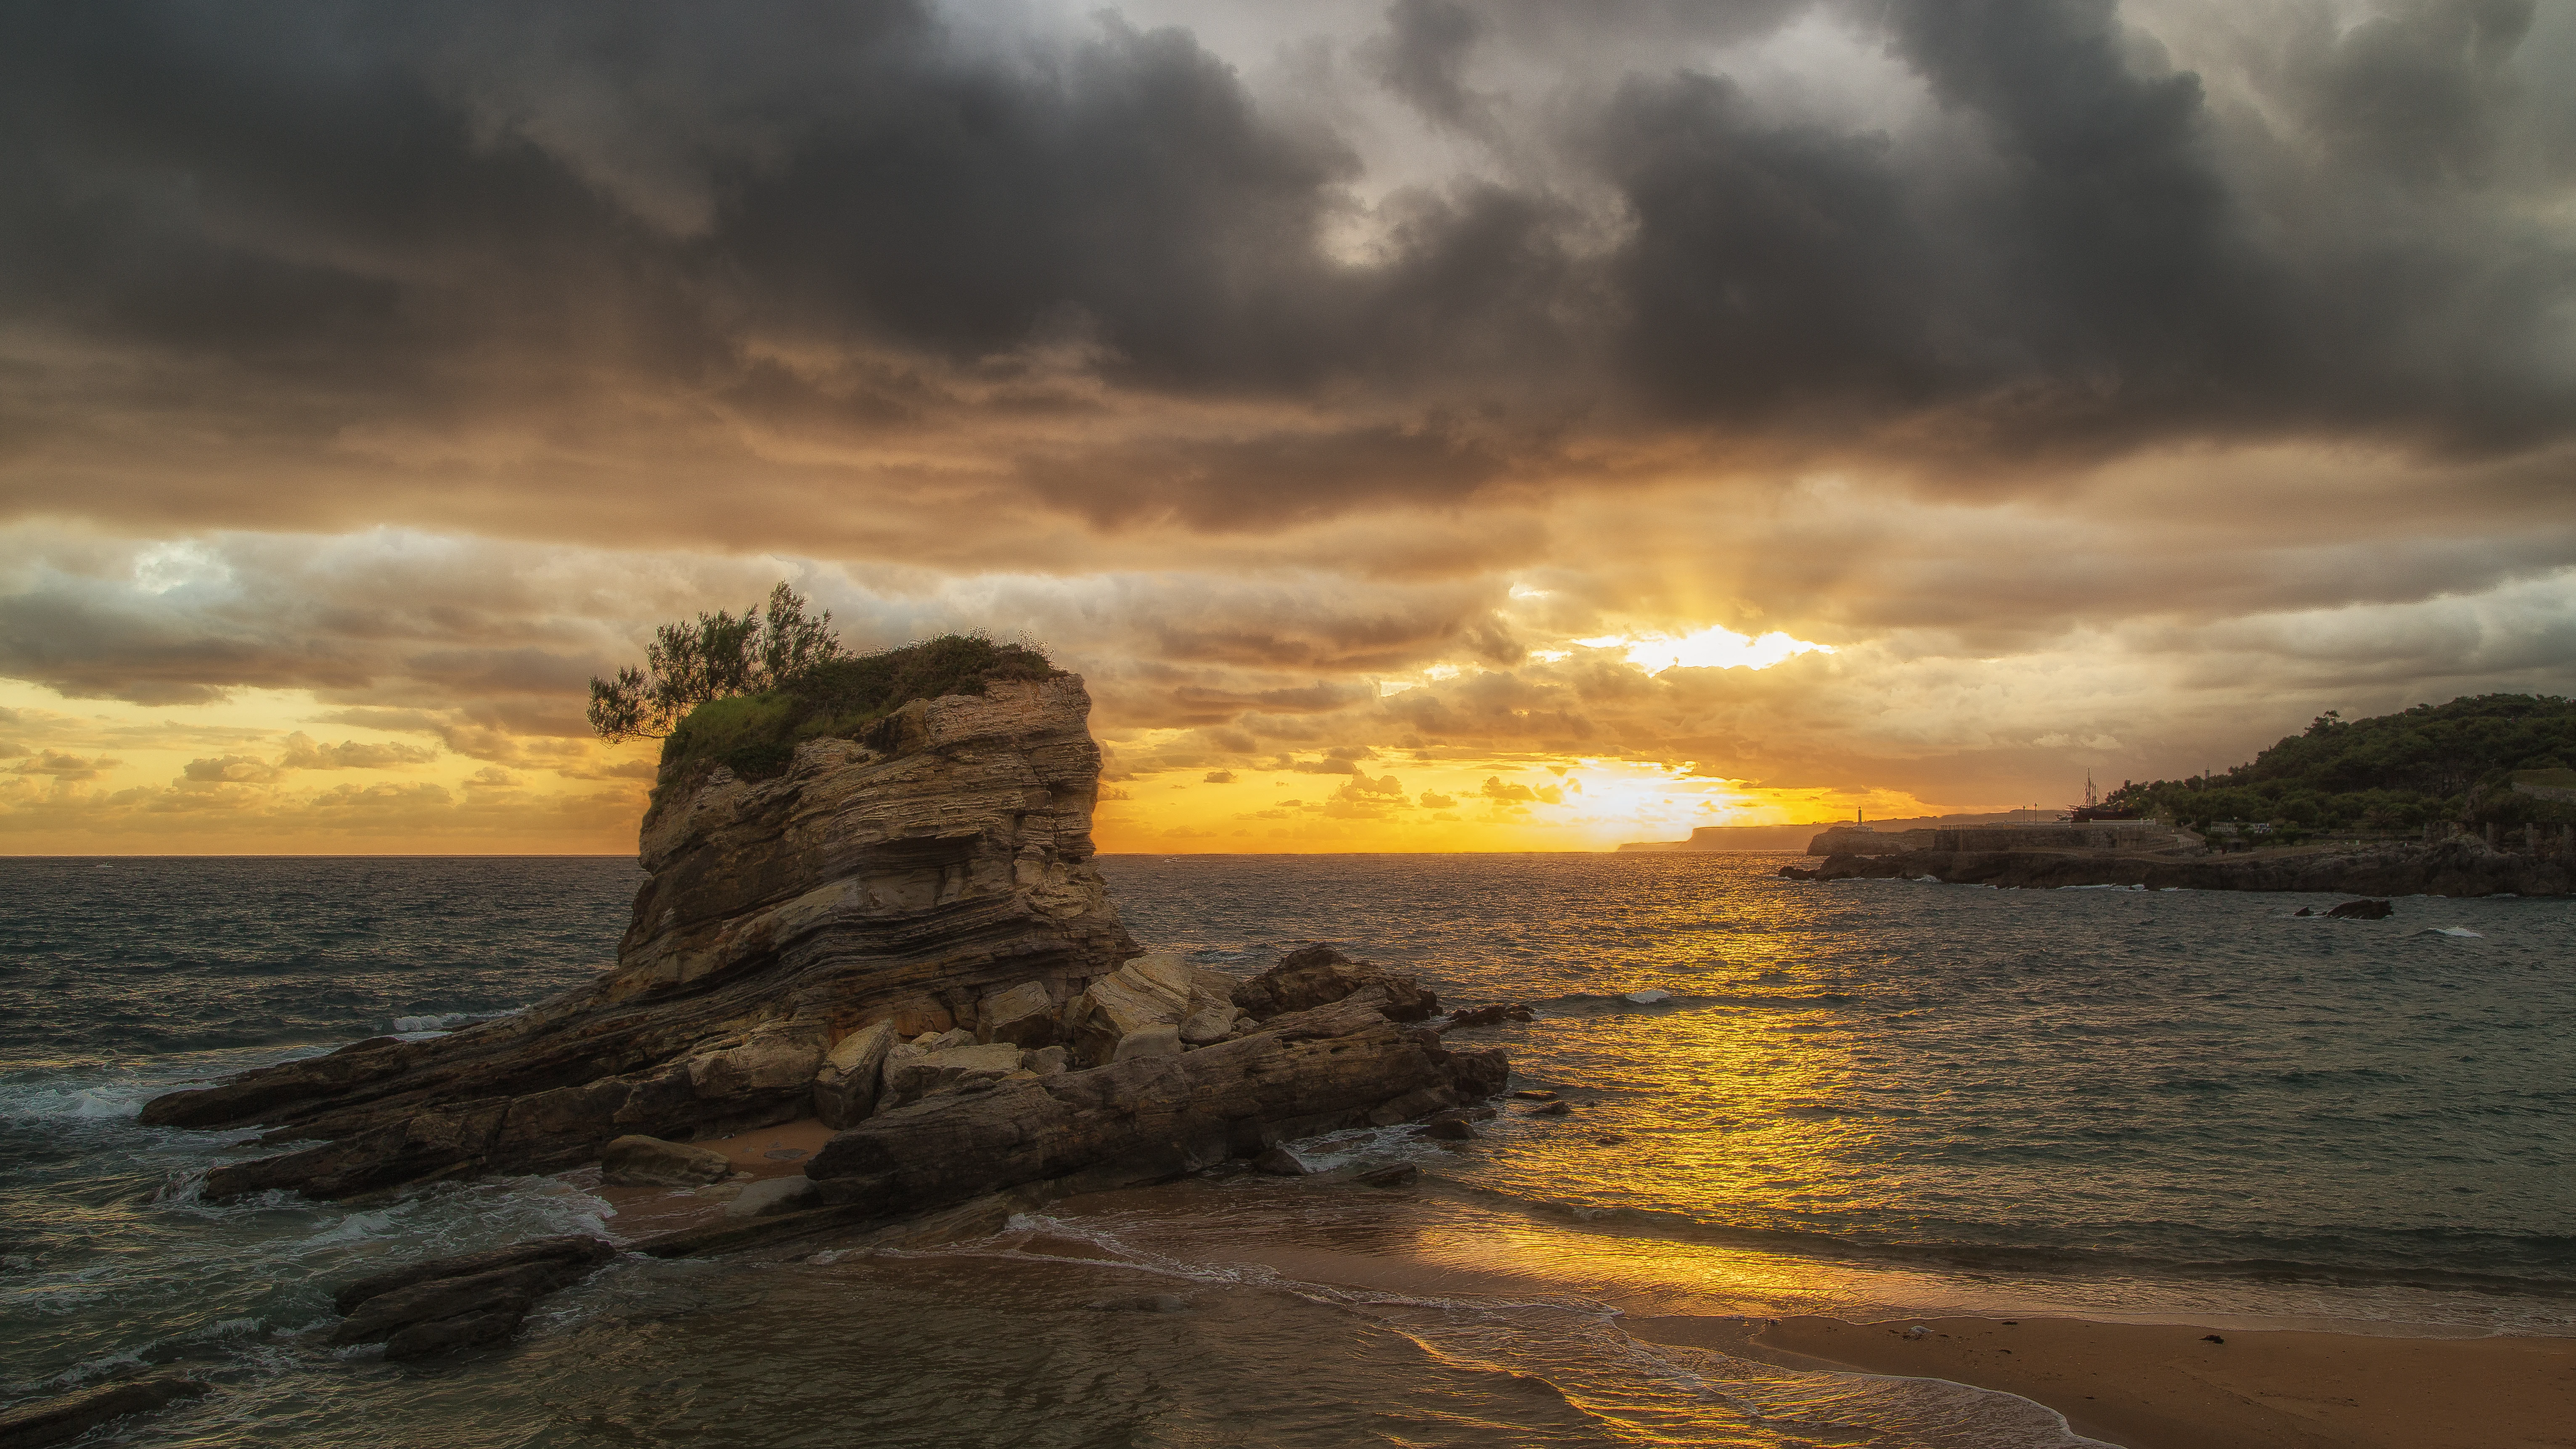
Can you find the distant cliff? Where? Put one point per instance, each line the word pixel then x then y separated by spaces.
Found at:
pixel 1796 837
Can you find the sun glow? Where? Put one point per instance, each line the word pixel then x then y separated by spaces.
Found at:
pixel 1715 647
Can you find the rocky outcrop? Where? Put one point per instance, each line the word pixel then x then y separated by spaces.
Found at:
pixel 1152 1006
pixel 452 1303
pixel 68 1416
pixel 902 935
pixel 1310 976
pixel 2461 866
pixel 944 862
pixel 1337 1065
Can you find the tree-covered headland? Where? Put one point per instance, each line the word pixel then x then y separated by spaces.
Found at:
pixel 2393 772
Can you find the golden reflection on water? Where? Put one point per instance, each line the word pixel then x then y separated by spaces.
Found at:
pixel 1768 1106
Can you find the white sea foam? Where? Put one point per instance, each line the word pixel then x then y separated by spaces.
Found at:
pixel 2453 931
pixel 1648 997
pixel 26 1101
pixel 445 1021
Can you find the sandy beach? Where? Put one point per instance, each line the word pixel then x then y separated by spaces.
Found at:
pixel 2167 1386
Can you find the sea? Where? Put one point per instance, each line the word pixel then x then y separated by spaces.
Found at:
pixel 1864 1098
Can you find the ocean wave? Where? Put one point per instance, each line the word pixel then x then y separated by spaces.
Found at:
pixel 1566 1343
pixel 1646 996
pixel 2452 1268
pixel 2454 931
pixel 439 1023
pixel 105 1102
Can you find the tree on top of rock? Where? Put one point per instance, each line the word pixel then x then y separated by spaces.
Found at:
pixel 719 656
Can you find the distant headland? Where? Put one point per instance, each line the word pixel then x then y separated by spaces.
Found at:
pixel 1796 837
pixel 2469 798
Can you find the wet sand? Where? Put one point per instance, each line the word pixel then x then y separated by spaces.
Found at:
pixel 2165 1386
pixel 2140 1386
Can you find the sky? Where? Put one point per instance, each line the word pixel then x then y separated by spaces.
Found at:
pixel 1434 425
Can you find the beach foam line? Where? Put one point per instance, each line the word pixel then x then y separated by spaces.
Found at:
pixel 1570 1345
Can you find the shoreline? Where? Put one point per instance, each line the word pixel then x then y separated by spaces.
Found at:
pixel 2155 1384
pixel 2460 867
pixel 2169 1386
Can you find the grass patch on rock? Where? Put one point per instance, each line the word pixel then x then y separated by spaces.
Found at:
pixel 755 735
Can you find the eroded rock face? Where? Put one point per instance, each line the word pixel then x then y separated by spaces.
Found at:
pixel 1142 1008
pixel 945 861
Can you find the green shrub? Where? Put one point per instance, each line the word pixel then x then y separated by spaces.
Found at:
pixel 755 735
pixel 2449 761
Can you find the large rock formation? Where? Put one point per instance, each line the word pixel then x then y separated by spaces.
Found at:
pixel 903 878
pixel 902 935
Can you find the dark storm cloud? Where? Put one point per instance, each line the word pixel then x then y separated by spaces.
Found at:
pixel 259 233
pixel 386 621
pixel 1419 59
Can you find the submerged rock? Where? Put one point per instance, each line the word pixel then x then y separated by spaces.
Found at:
pixel 452 1303
pixel 68 1416
pixel 1489 1016
pixel 2362 911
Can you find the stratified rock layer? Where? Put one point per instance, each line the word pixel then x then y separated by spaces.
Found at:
pixel 1338 1065
pixel 944 860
